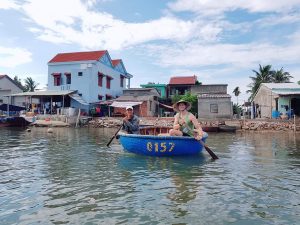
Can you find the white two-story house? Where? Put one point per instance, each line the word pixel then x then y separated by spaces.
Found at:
pixel 93 75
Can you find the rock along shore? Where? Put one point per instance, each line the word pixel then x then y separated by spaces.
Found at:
pixel 242 125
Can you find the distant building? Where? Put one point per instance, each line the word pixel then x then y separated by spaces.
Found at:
pixel 274 99
pixel 8 87
pixel 213 101
pixel 144 102
pixel 181 85
pixel 93 75
pixel 161 88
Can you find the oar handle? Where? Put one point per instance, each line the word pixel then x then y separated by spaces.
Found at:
pixel 114 136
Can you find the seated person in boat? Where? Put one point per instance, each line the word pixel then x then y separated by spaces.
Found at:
pixel 185 123
pixel 130 122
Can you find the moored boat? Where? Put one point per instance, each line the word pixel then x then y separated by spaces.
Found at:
pixel 148 142
pixel 210 128
pixel 226 128
pixel 14 121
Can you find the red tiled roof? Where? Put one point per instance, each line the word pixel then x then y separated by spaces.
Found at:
pixel 77 56
pixel 183 80
pixel 115 62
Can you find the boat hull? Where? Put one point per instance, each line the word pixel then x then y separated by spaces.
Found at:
pixel 161 145
pixel 13 122
pixel 225 128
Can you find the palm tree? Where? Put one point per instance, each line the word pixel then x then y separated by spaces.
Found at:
pixel 263 75
pixel 30 84
pixel 237 92
pixel 279 76
pixel 19 82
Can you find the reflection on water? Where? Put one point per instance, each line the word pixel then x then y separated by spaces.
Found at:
pixel 70 177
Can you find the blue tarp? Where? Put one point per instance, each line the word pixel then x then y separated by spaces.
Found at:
pixel 15 108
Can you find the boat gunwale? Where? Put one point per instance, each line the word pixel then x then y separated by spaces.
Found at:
pixel 162 137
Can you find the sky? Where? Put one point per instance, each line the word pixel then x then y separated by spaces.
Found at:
pixel 220 42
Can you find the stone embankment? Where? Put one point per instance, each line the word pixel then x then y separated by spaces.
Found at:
pixel 242 125
pixel 116 122
pixel 263 125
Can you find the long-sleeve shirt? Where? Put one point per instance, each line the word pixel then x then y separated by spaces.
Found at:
pixel 132 125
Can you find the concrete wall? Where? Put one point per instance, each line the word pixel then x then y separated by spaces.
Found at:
pixel 206 106
pixel 265 101
pixel 209 89
pixel 7 87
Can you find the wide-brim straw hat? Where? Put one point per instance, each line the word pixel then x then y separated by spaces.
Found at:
pixel 188 105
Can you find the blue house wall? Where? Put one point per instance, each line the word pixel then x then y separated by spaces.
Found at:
pixel 87 84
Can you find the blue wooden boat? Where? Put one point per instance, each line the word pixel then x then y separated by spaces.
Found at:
pixel 148 143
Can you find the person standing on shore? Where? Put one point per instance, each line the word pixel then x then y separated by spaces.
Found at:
pixel 185 123
pixel 130 122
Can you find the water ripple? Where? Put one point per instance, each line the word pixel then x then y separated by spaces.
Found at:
pixel 70 177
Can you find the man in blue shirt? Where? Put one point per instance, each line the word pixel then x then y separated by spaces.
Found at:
pixel 130 122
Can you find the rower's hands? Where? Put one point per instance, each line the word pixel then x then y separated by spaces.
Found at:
pixel 176 127
pixel 198 133
pixel 125 119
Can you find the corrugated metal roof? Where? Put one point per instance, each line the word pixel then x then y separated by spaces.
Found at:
pixel 283 88
pixel 287 92
pixel 282 85
pixel 214 96
pixel 78 99
pixel 134 98
pixel 43 93
pixel 124 104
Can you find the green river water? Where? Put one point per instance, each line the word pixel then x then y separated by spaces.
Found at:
pixel 71 177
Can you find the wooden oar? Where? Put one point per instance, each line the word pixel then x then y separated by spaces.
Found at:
pixel 114 135
pixel 212 154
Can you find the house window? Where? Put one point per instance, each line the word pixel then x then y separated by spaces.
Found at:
pixel 57 81
pixel 121 81
pixel 150 105
pixel 100 78
pixel 100 97
pixel 80 74
pixel 108 81
pixel 68 78
pixel 214 108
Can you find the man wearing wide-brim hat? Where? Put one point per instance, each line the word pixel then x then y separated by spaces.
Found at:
pixel 185 123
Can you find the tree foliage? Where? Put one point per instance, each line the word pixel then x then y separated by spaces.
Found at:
pixel 237 92
pixel 237 109
pixel 19 82
pixel 265 74
pixel 30 84
pixel 280 76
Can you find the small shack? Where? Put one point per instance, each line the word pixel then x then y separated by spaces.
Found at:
pixel 143 100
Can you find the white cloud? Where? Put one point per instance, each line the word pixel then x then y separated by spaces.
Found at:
pixel 239 56
pixel 11 57
pixel 81 25
pixel 207 7
pixel 8 4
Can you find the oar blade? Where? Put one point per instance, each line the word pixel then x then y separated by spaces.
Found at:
pixel 210 152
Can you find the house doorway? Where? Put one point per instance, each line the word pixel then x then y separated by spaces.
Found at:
pixel 295 105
